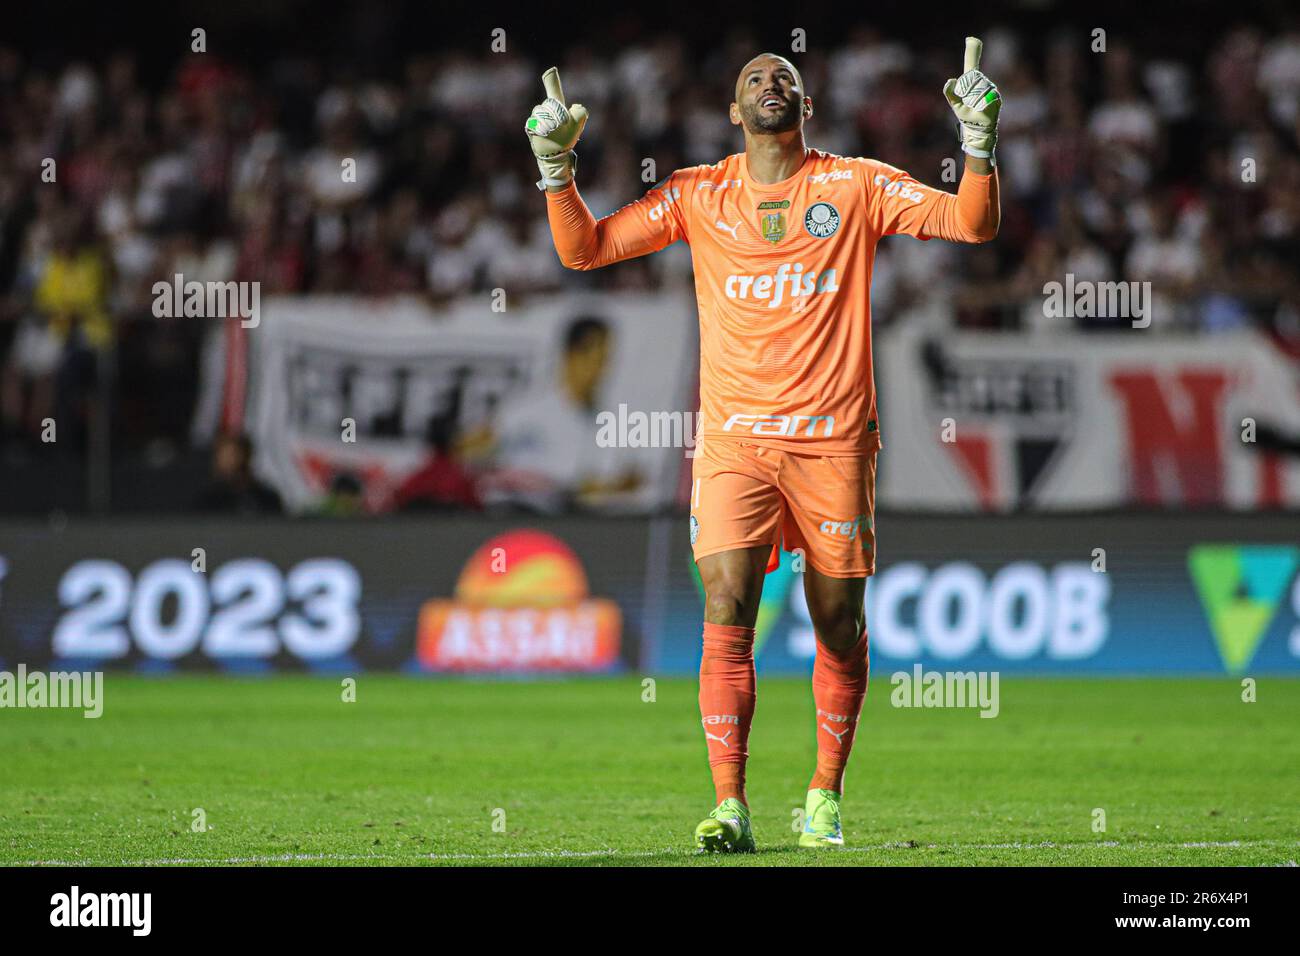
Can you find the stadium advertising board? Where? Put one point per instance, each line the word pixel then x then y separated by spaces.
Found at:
pixel 426 596
pixel 1135 594
pixel 1116 594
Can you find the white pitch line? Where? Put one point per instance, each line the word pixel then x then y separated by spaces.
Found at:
pixel 637 854
pixel 186 861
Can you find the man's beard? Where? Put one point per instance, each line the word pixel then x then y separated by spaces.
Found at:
pixel 756 121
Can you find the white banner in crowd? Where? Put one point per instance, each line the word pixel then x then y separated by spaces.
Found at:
pixel 997 421
pixel 970 421
pixel 393 367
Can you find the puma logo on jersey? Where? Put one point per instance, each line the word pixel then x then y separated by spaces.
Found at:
pixel 772 286
pixel 731 229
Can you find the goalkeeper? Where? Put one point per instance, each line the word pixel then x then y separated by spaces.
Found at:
pixel 782 240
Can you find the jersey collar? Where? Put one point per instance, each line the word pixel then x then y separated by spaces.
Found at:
pixel 781 186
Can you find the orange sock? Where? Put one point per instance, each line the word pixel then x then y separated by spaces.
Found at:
pixel 727 705
pixel 839 688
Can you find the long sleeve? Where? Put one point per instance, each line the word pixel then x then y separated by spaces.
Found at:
pixel 639 228
pixel 973 215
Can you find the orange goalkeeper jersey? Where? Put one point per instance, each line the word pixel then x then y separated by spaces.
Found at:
pixel 783 278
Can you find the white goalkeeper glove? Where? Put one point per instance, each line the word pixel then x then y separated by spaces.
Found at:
pixel 976 101
pixel 553 130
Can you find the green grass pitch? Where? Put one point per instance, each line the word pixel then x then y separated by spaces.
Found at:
pixel 584 772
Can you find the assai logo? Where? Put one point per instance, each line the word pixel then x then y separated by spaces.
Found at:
pixel 522 603
pixel 1241 587
pixel 821 220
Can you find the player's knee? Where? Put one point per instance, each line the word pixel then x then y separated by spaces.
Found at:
pixel 726 606
pixel 840 626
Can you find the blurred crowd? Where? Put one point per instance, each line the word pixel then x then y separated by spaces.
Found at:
pixel 1180 167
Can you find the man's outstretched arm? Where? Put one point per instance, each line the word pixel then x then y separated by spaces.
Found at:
pixel 642 227
pixel 974 214
pixel 900 204
pixel 638 229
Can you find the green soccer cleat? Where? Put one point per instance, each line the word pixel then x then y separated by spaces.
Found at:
pixel 821 820
pixel 726 830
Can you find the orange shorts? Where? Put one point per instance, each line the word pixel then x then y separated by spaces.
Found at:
pixel 744 495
